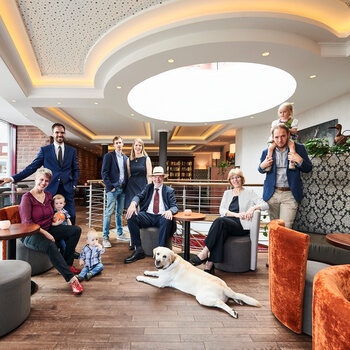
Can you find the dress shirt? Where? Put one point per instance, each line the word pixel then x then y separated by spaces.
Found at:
pixel 91 255
pixel 281 168
pixel 121 166
pixel 161 203
pixel 56 145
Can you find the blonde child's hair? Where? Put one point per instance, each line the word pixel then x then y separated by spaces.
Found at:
pixel 144 153
pixel 237 172
pixel 288 105
pixel 91 233
pixel 58 196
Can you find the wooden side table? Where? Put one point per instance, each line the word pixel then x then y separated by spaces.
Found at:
pixel 341 240
pixel 180 216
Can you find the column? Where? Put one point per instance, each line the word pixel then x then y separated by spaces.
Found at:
pixel 163 145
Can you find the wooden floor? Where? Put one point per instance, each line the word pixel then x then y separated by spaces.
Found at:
pixel 117 312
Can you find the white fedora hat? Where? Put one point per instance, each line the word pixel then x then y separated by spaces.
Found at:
pixel 158 170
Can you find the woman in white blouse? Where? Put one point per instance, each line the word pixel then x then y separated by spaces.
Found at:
pixel 236 209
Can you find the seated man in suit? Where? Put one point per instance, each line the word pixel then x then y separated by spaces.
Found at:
pixel 157 207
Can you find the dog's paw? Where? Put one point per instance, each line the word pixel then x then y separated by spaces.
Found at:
pixel 148 273
pixel 234 314
pixel 140 278
pixel 238 301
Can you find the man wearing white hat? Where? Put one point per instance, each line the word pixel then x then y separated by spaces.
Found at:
pixel 157 207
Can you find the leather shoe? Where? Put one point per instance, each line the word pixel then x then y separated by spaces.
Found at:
pixel 74 270
pixel 211 271
pixel 195 261
pixel 136 255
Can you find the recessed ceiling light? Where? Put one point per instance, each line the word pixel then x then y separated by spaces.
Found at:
pixel 59 103
pixel 171 60
pixel 266 53
pixel 252 117
pixel 312 76
pixel 13 101
pixel 119 87
pixel 96 103
pixel 132 114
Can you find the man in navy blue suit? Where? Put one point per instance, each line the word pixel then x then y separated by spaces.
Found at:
pixel 283 189
pixel 157 207
pixel 62 160
pixel 115 177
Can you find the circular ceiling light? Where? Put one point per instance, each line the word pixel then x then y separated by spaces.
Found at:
pixel 212 92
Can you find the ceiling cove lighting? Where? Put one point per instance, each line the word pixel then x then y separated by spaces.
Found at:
pixel 212 92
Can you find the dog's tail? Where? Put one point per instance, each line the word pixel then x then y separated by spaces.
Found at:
pixel 239 298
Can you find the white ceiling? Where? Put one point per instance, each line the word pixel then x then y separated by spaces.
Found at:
pixel 72 55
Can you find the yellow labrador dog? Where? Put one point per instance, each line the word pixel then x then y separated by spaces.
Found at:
pixel 209 290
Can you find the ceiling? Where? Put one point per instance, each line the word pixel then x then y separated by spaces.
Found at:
pixel 76 61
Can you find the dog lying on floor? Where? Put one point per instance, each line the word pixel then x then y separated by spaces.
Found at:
pixel 209 290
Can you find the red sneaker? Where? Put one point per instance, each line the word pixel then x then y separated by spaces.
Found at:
pixel 74 270
pixel 77 288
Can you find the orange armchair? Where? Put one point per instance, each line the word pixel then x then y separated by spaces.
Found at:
pixel 291 276
pixel 331 309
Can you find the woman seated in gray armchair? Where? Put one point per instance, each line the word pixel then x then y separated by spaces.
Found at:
pixel 236 209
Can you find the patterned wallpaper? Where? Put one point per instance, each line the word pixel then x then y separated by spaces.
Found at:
pixel 325 207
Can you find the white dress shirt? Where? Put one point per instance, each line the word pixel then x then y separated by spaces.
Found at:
pixel 161 203
pixel 56 145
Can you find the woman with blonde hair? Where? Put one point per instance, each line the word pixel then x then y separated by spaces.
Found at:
pixel 236 209
pixel 36 207
pixel 139 168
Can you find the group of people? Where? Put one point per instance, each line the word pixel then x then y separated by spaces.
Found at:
pixel 149 202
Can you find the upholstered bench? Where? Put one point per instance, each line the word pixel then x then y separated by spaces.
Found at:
pixel 236 254
pixel 39 261
pixel 14 294
pixel 150 240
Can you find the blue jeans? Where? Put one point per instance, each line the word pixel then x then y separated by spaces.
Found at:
pixel 114 199
pixel 94 270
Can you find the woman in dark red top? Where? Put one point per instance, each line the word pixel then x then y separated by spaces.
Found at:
pixel 36 208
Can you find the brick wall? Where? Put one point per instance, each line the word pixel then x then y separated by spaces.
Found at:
pixel 29 141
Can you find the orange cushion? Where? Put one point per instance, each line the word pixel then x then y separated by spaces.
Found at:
pixel 10 213
pixel 288 251
pixel 331 309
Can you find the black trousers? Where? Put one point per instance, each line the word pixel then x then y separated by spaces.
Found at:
pixel 70 234
pixel 220 229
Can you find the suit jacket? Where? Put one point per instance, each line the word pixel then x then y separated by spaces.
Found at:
pixel 110 171
pixel 168 194
pixel 68 173
pixel 293 176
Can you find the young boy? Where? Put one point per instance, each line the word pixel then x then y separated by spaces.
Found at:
pixel 58 205
pixel 90 257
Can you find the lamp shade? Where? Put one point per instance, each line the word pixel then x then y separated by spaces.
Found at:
pixel 232 148
pixel 216 155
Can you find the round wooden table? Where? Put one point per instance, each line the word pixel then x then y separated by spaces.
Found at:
pixel 180 216
pixel 18 231
pixel 341 240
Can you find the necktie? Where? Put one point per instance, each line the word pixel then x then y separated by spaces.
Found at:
pixel 156 202
pixel 59 157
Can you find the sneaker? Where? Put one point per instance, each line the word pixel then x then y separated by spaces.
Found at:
pixel 106 243
pixel 77 288
pixel 123 238
pixel 79 278
pixel 74 270
pixel 88 276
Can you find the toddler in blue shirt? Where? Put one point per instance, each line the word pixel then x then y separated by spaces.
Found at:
pixel 90 257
